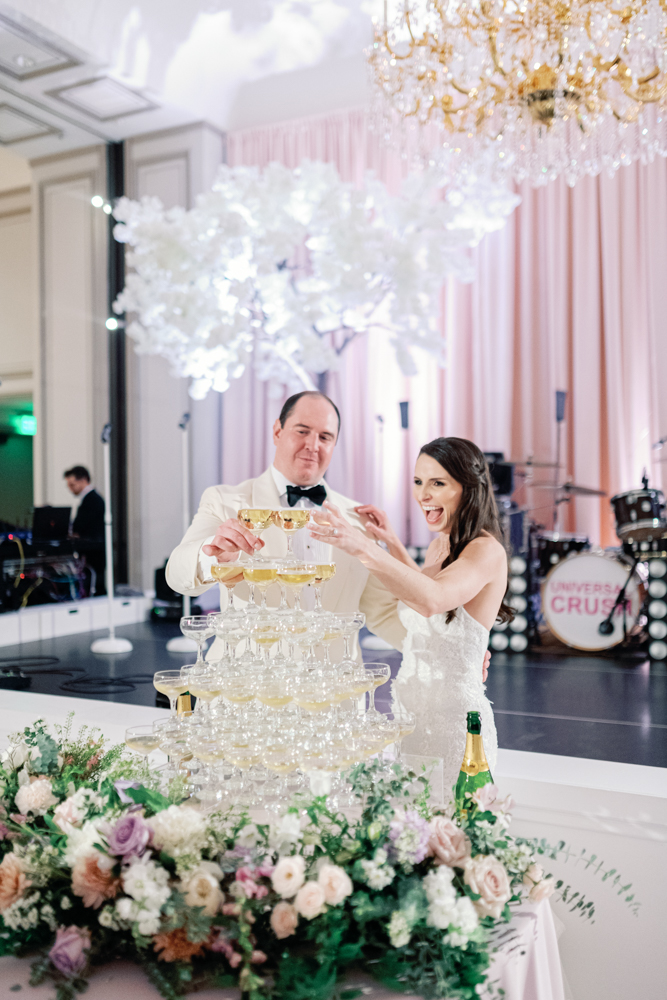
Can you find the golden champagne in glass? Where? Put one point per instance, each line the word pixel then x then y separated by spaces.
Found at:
pixel 255 519
pixel 297 576
pixel 291 521
pixel 325 571
pixel 224 572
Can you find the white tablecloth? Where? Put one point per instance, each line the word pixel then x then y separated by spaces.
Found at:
pixel 526 966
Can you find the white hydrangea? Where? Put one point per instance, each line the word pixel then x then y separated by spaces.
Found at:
pixel 22 915
pixel 463 924
pixel 377 873
pixel 178 830
pixel 516 858
pixel 81 841
pixel 442 897
pixel 147 883
pixel 399 929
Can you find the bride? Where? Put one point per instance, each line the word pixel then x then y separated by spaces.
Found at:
pixel 450 604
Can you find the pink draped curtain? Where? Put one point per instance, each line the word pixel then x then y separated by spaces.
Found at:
pixel 571 295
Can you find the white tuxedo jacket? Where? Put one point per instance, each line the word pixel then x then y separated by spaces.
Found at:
pixel 351 589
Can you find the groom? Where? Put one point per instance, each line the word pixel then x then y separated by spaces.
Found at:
pixel 305 435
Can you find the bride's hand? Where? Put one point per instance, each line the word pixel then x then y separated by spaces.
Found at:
pixel 376 523
pixel 331 527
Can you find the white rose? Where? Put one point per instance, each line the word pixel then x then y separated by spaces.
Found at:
pixel 288 876
pixel 203 889
pixel 36 798
pixel 336 884
pixel 309 901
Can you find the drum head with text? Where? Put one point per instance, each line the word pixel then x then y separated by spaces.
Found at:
pixel 580 592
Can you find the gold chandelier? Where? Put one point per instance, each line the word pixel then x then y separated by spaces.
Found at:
pixel 549 87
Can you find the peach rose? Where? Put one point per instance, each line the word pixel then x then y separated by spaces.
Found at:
pixel 203 889
pixel 542 890
pixel 288 876
pixel 310 900
pixel 486 876
pixel 284 920
pixel 67 815
pixel 336 884
pixel 13 882
pixel 447 843
pixel 93 881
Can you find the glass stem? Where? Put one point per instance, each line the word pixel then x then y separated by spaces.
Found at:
pixel 318 596
pixel 289 544
pixel 346 647
pixel 173 702
pixel 297 600
pixel 230 599
pixel 371 700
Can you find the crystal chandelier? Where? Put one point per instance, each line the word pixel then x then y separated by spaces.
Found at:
pixel 538 88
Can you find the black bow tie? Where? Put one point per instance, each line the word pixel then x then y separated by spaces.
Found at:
pixel 317 494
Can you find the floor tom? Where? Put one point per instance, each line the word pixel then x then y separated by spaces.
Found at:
pixel 579 593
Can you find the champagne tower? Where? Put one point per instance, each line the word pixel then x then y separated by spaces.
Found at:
pixel 475 770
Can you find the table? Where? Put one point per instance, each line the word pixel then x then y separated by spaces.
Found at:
pixel 526 965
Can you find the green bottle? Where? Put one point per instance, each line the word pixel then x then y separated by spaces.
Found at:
pixel 475 769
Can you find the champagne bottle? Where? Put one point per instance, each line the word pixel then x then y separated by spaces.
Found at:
pixel 184 703
pixel 475 769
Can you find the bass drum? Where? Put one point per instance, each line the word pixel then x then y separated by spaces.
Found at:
pixel 579 593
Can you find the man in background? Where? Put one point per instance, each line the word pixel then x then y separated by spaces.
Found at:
pixel 88 524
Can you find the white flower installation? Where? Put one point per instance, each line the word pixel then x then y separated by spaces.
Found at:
pixel 284 268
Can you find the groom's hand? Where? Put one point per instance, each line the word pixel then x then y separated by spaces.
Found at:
pixel 230 539
pixel 485 668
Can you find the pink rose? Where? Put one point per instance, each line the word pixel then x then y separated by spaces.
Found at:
pixel 486 877
pixel 68 954
pixel 284 920
pixel 310 900
pixel 540 887
pixel 448 844
pixel 67 815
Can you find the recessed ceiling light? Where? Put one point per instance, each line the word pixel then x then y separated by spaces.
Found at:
pixel 24 53
pixel 103 98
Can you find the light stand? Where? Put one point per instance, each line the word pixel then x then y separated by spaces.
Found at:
pixel 180 644
pixel 113 643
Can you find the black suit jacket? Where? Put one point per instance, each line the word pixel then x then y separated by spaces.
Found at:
pixel 89 521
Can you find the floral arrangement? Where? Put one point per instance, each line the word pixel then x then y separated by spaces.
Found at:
pixel 97 863
pixel 284 268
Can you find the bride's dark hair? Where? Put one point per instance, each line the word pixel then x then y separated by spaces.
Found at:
pixel 477 510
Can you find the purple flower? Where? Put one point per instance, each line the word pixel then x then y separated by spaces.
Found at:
pixel 410 835
pixel 129 837
pixel 69 951
pixel 120 787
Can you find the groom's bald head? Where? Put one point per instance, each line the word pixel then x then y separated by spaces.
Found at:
pixel 305 434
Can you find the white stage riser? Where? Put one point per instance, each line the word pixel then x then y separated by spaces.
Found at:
pixel 49 621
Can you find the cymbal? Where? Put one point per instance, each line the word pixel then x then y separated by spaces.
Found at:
pixel 572 488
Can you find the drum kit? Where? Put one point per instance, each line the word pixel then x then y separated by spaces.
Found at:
pixel 588 598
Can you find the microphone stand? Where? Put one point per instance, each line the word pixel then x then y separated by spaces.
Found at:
pixel 606 627
pixel 180 643
pixel 113 643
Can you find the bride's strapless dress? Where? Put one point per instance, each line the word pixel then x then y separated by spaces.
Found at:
pixel 440 680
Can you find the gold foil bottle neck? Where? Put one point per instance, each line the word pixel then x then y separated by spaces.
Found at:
pixel 184 704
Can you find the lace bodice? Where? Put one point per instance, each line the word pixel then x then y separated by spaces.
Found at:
pixel 440 680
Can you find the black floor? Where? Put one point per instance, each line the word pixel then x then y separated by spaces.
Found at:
pixel 599 707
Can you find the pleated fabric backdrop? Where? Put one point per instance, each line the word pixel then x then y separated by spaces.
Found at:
pixel 571 295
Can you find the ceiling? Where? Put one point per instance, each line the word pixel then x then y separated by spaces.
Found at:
pixel 72 73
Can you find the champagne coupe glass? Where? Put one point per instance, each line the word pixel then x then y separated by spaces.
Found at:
pixel 333 629
pixel 260 573
pixel 200 628
pixel 406 723
pixel 352 622
pixel 143 740
pixel 297 575
pixel 170 683
pixel 204 684
pixel 255 519
pixel 266 631
pixel 291 520
pixel 325 572
pixel 380 674
pixel 228 574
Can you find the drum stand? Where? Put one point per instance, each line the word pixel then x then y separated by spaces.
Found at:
pixel 606 627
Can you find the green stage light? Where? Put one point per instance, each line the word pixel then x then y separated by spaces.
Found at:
pixel 25 424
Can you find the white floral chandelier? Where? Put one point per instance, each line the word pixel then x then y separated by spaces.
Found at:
pixel 283 269
pixel 570 87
